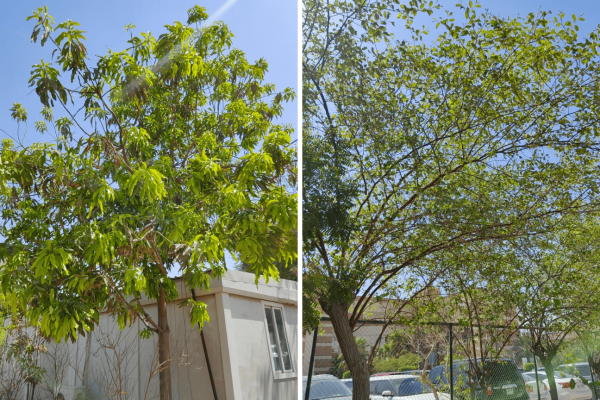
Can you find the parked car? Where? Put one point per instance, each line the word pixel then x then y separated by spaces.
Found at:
pixel 388 373
pixel 324 387
pixel 582 368
pixel 563 386
pixel 410 372
pixel 401 387
pixel 347 382
pixel 532 387
pixel 505 382
pixel 417 372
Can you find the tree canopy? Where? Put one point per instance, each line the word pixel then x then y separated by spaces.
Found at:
pixel 485 132
pixel 166 158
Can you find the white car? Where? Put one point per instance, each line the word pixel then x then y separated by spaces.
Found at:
pixel 582 368
pixel 563 386
pixel 324 387
pixel 532 387
pixel 402 387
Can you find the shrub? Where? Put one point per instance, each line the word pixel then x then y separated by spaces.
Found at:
pixel 528 366
pixel 347 375
pixel 404 362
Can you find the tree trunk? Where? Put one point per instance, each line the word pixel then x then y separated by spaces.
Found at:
pixel 164 356
pixel 355 361
pixel 473 388
pixel 547 363
pixel 594 367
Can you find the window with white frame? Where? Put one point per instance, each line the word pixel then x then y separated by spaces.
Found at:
pixel 278 343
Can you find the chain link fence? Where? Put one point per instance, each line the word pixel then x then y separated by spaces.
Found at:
pixel 488 363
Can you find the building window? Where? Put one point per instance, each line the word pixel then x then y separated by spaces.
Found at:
pixel 278 342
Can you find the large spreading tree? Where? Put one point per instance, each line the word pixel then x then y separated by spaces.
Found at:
pixel 166 157
pixel 482 131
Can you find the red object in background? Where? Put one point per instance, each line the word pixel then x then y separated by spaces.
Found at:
pixel 489 392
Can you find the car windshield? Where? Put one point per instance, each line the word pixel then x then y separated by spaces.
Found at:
pixel 563 375
pixel 582 369
pixel 531 375
pixel 409 386
pixel 326 389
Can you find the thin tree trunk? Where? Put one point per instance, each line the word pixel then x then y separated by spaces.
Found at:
pixel 473 388
pixel 547 363
pixel 593 368
pixel 355 361
pixel 164 356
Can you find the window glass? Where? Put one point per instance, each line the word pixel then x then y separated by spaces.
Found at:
pixel 436 375
pixel 273 339
pixel 326 389
pixel 380 386
pixel 583 369
pixel 285 353
pixel 409 387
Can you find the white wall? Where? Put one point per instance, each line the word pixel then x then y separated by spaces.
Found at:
pixel 253 353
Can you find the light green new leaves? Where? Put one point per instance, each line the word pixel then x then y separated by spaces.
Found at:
pixel 135 281
pixel 18 112
pixel 147 183
pixel 207 248
pixel 198 312
pixel 101 195
pixel 51 259
pixel 281 207
pixel 206 173
pixel 254 164
pixel 103 245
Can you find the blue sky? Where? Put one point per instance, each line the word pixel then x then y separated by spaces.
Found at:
pixel 263 29
pixel 513 8
pixel 590 9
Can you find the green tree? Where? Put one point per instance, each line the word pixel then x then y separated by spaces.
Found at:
pixel 589 345
pixel 486 132
pixel 479 289
pixel 166 159
pixel 556 292
pixel 3 317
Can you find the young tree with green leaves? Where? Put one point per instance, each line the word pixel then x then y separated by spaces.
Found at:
pixel 589 344
pixel 556 292
pixel 485 132
pixel 479 289
pixel 166 159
